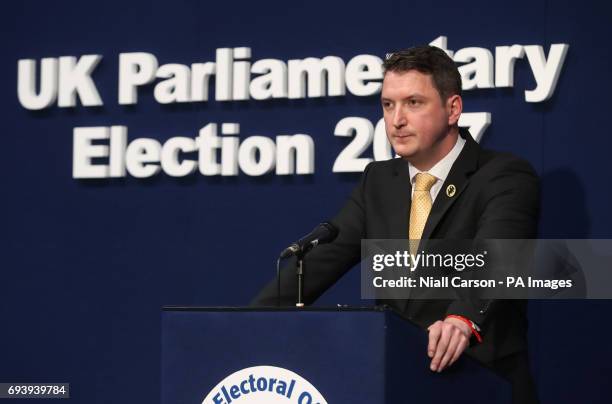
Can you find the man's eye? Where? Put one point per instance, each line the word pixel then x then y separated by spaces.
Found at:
pixel 414 102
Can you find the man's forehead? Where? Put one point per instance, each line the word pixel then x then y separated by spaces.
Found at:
pixel 407 82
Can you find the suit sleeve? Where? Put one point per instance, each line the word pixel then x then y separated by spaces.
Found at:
pixel 327 263
pixel 510 207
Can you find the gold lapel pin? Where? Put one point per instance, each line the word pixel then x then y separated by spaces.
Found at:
pixel 450 190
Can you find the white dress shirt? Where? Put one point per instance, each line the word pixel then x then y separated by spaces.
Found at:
pixel 440 170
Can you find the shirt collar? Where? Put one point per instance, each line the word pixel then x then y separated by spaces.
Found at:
pixel 441 169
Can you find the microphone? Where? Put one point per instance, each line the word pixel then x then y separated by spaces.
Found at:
pixel 323 233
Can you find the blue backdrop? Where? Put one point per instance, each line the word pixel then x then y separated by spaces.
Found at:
pixel 87 264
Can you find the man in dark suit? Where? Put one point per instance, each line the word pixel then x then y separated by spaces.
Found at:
pixel 443 186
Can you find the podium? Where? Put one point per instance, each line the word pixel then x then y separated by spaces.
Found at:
pixel 335 355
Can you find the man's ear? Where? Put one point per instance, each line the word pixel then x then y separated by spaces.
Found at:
pixel 454 107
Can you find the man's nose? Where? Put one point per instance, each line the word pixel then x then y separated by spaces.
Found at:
pixel 399 118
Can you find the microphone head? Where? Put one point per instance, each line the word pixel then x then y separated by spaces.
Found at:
pixel 325 232
pixel 328 234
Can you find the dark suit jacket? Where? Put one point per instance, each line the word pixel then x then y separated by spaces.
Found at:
pixel 497 197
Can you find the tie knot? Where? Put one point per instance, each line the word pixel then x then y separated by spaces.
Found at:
pixel 424 182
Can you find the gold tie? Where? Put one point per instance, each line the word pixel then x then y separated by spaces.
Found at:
pixel 420 208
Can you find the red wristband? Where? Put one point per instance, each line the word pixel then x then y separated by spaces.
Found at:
pixel 470 324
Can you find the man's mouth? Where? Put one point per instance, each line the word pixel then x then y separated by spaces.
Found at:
pixel 403 135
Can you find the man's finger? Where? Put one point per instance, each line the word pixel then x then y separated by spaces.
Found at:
pixel 441 348
pixel 435 331
pixel 460 348
pixel 456 338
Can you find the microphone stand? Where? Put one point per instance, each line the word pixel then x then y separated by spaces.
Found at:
pixel 300 279
pixel 301 269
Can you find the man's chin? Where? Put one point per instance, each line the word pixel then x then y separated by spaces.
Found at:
pixel 405 153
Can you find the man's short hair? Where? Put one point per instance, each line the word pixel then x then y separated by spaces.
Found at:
pixel 430 60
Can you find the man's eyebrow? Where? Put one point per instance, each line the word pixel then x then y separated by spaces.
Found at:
pixel 415 95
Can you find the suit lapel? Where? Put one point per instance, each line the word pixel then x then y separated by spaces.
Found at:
pixel 398 206
pixel 458 177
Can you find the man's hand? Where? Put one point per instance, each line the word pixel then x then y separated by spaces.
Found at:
pixel 447 341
